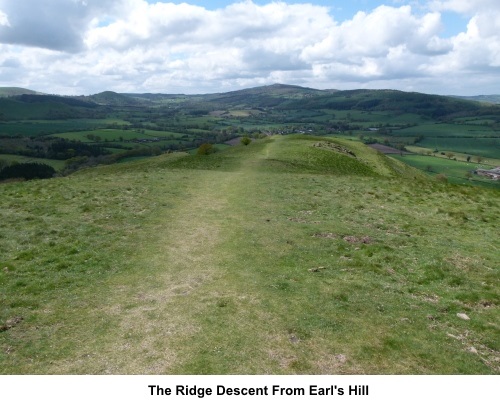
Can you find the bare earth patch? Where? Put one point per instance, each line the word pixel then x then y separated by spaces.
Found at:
pixel 387 150
pixel 325 235
pixel 334 147
pixel 354 239
pixel 10 323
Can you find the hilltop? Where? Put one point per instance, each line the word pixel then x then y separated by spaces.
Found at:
pixel 15 91
pixel 112 98
pixel 292 255
pixel 292 97
pixel 286 97
pixel 265 96
pixel 34 106
pixel 490 99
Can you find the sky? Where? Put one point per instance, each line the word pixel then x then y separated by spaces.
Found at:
pixel 75 47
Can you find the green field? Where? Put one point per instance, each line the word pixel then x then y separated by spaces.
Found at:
pixel 286 256
pixel 449 131
pixel 486 147
pixel 457 155
pixel 56 164
pixel 456 171
pixel 37 128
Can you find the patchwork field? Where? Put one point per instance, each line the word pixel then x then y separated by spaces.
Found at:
pixel 457 172
pixel 9 159
pixel 110 127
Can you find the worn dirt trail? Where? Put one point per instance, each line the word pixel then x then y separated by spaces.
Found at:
pixel 154 307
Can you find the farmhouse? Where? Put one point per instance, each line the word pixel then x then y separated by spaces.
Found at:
pixel 493 174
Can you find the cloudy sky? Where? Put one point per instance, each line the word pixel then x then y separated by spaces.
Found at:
pixel 87 46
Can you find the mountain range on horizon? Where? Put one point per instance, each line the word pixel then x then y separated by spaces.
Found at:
pixel 276 89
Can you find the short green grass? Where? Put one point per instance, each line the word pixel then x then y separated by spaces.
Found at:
pixel 279 257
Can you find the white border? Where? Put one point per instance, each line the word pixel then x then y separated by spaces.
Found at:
pixel 124 390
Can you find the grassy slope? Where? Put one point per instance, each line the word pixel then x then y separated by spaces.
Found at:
pixel 183 265
pixel 15 91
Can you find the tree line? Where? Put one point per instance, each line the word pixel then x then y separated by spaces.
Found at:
pixel 27 171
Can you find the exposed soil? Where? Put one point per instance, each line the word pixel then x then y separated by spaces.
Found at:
pixel 387 150
pixel 303 221
pixel 10 323
pixel 234 141
pixel 367 240
pixel 354 239
pixel 335 147
pixel 325 235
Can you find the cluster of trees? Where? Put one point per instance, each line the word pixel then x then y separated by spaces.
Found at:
pixel 208 148
pixel 81 162
pixel 63 149
pixel 51 148
pixel 27 171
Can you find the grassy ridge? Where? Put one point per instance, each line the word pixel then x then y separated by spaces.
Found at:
pixel 287 256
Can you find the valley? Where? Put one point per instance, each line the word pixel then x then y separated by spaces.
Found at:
pixel 83 131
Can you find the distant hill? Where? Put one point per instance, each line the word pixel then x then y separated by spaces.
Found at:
pixel 15 91
pixel 266 96
pixel 276 96
pixel 36 106
pixel 262 96
pixel 70 101
pixel 277 90
pixel 288 97
pixel 428 105
pixel 491 99
pixel 112 98
pixel 154 96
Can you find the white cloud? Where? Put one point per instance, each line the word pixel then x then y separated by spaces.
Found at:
pixel 52 24
pixel 468 7
pixel 131 45
pixel 377 33
pixel 476 51
pixel 4 19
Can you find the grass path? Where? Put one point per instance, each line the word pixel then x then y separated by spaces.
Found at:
pixel 154 308
pixel 149 312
